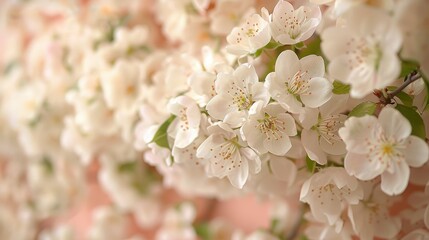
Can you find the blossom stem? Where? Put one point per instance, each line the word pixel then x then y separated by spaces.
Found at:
pixel 411 77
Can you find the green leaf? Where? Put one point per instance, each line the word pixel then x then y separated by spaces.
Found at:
pixel 161 138
pixel 272 45
pixel 127 167
pixel 365 108
pixel 47 164
pixel 303 237
pixel 10 66
pixel 311 165
pixel 416 121
pixel 312 48
pixel 406 99
pixel 203 231
pixel 257 53
pixel 407 67
pixel 340 88
pixel 426 102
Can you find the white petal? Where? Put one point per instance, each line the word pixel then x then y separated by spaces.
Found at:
pixel 310 142
pixel 334 42
pixel 245 74
pixel 252 158
pixel 278 147
pixel 334 148
pixel 238 176
pixel 253 136
pixel 287 64
pixel 358 165
pixel 339 69
pixel 393 184
pixel 357 131
pixel 219 106
pixel 290 126
pixel 416 151
pixel 394 124
pixel 283 169
pixel 314 66
pixel 185 137
pixel 389 69
pixel 321 92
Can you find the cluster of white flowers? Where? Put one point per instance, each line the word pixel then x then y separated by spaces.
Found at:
pixel 323 104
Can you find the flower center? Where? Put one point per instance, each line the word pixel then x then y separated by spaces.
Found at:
pixel 328 128
pixel 271 127
pixel 298 84
pixel 385 150
pixel 240 97
pixel 364 51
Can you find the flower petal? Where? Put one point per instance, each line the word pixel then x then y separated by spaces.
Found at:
pixel 360 167
pixel 238 176
pixel 310 142
pixel 287 65
pixel 313 65
pixel 396 182
pixel 321 92
pixel 394 124
pixel 416 151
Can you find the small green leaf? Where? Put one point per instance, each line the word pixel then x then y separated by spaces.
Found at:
pixel 407 67
pixel 303 237
pixel 312 48
pixel 311 165
pixel 300 46
pixel 257 53
pixel 272 45
pixel 47 163
pixel 416 121
pixel 10 66
pixel 365 108
pixel 203 231
pixel 406 99
pixel 161 138
pixel 127 167
pixel 340 88
pixel 426 102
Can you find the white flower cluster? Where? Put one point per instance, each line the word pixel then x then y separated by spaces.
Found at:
pixel 327 100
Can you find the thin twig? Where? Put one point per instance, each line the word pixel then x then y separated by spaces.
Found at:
pixel 410 78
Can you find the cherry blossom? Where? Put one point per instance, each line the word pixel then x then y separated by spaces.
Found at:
pixel 370 218
pixel 299 78
pixel 320 134
pixel 227 156
pixel 383 147
pixel 268 129
pixel 328 193
pixel 184 129
pixel 290 26
pixel 236 92
pixel 363 51
pixel 250 36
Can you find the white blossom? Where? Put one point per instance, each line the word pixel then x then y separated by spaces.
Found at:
pixel 268 129
pixel 363 51
pixel 290 26
pixel 299 78
pixel 329 192
pixel 236 93
pixel 383 147
pixel 228 156
pixel 250 36
pixel 185 127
